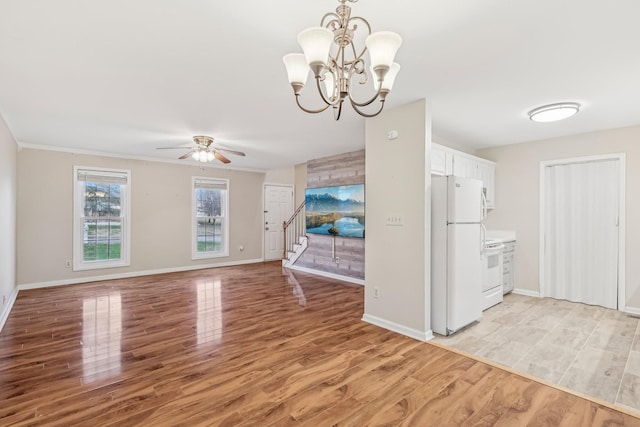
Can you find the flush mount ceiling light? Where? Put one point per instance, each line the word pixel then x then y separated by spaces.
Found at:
pixel 330 52
pixel 554 112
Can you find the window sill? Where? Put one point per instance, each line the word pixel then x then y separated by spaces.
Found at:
pixel 97 265
pixel 209 255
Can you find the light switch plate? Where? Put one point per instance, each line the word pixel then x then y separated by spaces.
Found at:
pixel 395 219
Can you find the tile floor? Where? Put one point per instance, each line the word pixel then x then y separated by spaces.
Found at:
pixel 590 349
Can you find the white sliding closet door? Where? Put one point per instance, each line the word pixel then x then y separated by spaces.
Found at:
pixel 581 232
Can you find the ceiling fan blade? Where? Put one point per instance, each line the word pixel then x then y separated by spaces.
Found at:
pixel 220 157
pixel 187 155
pixel 226 150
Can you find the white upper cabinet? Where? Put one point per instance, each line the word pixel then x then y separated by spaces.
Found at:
pixel 486 173
pixel 447 161
pixel 465 167
pixel 441 161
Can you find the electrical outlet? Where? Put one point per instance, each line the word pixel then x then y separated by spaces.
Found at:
pixel 337 260
pixel 376 292
pixel 67 264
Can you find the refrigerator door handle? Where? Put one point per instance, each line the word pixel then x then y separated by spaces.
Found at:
pixel 483 238
pixel 484 205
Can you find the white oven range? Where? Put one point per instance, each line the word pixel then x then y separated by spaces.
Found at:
pixel 492 273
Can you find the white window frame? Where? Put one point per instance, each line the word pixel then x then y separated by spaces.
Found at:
pixel 79 263
pixel 195 255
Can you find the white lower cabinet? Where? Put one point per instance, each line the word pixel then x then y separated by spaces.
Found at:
pixel 508 267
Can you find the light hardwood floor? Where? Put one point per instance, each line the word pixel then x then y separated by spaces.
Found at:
pixel 590 349
pixel 248 346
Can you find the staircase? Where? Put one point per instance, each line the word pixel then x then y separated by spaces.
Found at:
pixel 295 237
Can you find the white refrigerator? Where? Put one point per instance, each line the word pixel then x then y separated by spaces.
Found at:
pixel 457 243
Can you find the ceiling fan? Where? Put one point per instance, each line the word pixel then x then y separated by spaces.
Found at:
pixel 204 151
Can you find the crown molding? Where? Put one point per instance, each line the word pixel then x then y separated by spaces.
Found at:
pixel 71 150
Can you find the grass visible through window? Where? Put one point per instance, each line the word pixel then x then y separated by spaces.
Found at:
pixel 101 251
pixel 209 246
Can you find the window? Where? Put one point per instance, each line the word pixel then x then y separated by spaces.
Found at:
pixel 210 218
pixel 101 218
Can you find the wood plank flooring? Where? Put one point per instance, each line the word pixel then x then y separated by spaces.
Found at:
pixel 248 346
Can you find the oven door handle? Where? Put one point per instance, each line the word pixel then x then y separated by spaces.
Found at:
pixel 492 250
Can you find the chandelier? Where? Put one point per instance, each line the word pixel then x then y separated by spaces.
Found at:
pixel 331 54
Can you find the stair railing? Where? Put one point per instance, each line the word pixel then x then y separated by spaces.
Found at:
pixel 294 229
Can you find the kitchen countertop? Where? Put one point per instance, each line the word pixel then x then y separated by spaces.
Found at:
pixel 503 235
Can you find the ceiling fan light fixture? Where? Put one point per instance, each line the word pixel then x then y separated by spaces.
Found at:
pixel 554 112
pixel 205 151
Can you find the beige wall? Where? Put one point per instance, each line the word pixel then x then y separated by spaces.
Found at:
pixel 300 182
pixel 396 256
pixel 160 210
pixel 8 195
pixel 281 176
pixel 518 195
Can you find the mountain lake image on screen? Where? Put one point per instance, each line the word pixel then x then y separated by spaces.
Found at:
pixel 337 211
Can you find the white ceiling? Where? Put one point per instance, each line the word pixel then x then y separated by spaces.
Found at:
pixel 125 77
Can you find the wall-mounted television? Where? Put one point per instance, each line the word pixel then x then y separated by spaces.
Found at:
pixel 337 211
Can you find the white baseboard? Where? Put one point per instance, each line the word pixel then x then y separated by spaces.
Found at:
pixel 64 282
pixel 526 293
pixel 326 274
pixel 7 308
pixel 634 311
pixel 401 329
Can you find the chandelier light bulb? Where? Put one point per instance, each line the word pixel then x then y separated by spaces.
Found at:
pixel 210 156
pixel 316 44
pixel 297 68
pixel 196 155
pixel 329 83
pixel 383 46
pixel 389 78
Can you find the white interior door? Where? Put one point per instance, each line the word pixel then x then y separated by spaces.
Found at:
pixel 581 232
pixel 278 208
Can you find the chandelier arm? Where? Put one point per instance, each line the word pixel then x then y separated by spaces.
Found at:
pixel 362 113
pixel 369 101
pixel 326 101
pixel 335 16
pixel 337 111
pixel 364 49
pixel 364 104
pixel 306 110
pixel 361 19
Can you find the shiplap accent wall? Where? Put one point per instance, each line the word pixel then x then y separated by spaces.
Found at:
pixel 343 169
